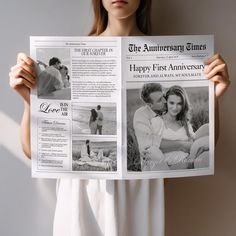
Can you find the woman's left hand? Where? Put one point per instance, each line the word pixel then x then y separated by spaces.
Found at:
pixel 216 70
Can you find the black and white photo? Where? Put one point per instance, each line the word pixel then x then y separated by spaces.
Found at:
pixel 53 73
pixel 94 119
pixel 94 155
pixel 167 127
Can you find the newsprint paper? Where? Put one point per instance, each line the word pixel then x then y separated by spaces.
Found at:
pixel 122 107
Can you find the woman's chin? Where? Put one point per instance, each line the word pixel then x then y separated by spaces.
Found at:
pixel 173 114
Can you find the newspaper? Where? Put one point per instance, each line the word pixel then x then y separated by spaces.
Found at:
pixel 122 107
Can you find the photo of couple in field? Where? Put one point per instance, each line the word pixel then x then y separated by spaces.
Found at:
pixel 94 155
pixel 167 127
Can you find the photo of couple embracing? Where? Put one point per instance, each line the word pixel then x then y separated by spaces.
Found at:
pixel 167 128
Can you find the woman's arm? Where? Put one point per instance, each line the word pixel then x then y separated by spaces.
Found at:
pixel 25 131
pixel 216 70
pixel 175 145
pixel 22 80
pixel 42 63
pixel 202 131
pixel 200 145
pixel 217 120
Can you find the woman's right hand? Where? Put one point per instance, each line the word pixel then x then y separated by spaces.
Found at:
pixel 22 76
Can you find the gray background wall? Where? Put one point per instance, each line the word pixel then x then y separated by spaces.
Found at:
pixel 194 206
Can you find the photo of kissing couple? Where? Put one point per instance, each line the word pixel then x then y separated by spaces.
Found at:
pixel 53 74
pixel 167 128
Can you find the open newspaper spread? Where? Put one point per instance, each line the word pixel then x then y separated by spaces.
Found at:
pixel 122 107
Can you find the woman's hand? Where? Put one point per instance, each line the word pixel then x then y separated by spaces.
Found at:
pixel 22 76
pixel 22 79
pixel 216 70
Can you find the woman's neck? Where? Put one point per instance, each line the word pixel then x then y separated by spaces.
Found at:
pixel 122 27
pixel 170 118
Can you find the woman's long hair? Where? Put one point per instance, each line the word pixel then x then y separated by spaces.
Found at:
pixel 184 115
pixel 94 114
pixel 143 15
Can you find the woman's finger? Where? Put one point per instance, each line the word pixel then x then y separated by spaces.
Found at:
pixel 215 63
pixel 217 71
pixel 213 58
pixel 29 69
pixel 220 79
pixel 15 82
pixel 23 57
pixel 19 72
pixel 19 81
pixel 221 68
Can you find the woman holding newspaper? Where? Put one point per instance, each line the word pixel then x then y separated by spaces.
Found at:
pixel 108 207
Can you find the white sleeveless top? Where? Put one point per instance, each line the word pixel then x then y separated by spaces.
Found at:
pixel 109 208
pixel 175 157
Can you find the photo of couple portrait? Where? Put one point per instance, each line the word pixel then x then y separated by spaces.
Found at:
pixel 53 80
pixel 166 131
pixel 94 119
pixel 94 155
